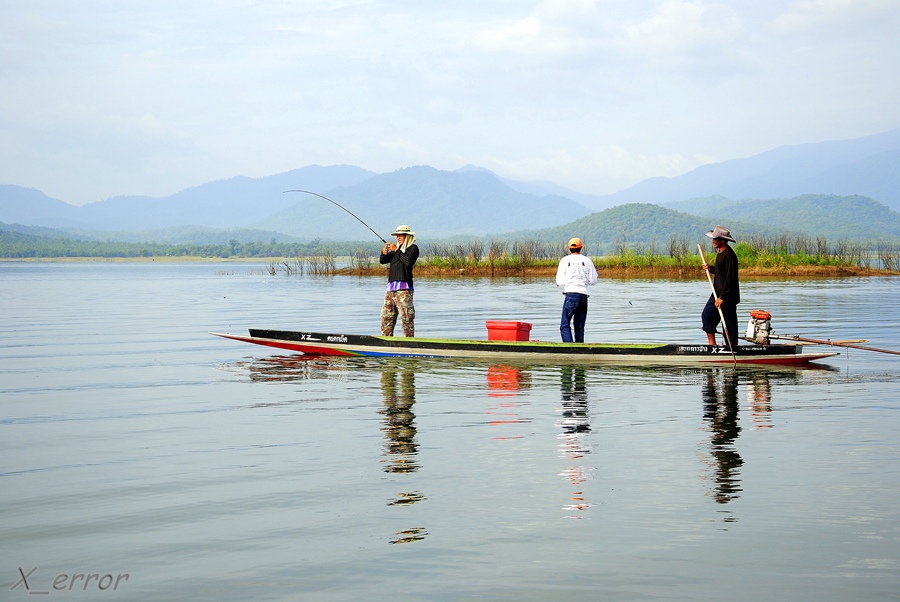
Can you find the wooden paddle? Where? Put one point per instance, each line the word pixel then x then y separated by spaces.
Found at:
pixel 721 315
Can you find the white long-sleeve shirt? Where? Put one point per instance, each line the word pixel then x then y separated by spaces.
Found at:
pixel 575 273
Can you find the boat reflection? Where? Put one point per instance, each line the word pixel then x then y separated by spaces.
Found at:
pixel 575 426
pixel 286 368
pixel 722 390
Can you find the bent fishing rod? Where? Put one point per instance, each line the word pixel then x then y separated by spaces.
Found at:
pixel 342 207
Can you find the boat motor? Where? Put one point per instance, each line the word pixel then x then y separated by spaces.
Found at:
pixel 759 328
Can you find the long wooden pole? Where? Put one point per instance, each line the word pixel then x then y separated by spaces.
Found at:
pixel 850 344
pixel 721 315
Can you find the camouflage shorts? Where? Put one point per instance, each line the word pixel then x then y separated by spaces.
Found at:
pixel 398 303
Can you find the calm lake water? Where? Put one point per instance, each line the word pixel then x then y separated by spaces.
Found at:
pixel 143 459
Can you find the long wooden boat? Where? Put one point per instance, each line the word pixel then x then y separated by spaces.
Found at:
pixel 317 343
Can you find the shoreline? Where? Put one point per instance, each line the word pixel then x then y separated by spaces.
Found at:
pixel 638 272
pixel 427 271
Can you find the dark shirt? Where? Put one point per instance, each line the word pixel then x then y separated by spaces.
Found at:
pixel 726 276
pixel 401 268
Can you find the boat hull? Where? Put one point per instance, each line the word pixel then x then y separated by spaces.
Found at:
pixel 350 345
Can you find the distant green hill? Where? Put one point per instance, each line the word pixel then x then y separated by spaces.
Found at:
pixel 834 217
pixel 642 225
pixel 637 224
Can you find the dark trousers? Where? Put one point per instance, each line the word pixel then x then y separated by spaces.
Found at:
pixel 575 311
pixel 711 319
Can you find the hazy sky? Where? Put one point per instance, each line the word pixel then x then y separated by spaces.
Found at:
pixel 100 98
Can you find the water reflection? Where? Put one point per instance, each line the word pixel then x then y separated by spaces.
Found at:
pixel 398 390
pixel 409 535
pixel 574 406
pixel 724 393
pixel 286 368
pixel 575 426
pixel 398 420
pixel 721 392
pixel 506 382
pixel 398 387
pixel 720 410
pixel 407 497
pixel 759 401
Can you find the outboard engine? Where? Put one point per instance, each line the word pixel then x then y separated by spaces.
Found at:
pixel 759 327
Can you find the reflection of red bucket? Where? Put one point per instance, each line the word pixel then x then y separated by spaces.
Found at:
pixel 503 381
pixel 508 331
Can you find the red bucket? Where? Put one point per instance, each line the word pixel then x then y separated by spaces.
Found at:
pixel 508 331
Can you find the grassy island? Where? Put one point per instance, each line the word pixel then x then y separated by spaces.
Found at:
pixel 763 257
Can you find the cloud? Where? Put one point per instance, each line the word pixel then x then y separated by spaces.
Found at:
pixel 134 97
pixel 554 27
pixel 616 37
pixel 808 15
pixel 681 33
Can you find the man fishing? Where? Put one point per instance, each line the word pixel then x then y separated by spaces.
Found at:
pixel 575 273
pixel 726 290
pixel 398 298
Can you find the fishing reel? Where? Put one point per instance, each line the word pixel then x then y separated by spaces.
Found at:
pixel 759 328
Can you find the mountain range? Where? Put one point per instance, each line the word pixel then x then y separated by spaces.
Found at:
pixel 839 189
pixel 868 166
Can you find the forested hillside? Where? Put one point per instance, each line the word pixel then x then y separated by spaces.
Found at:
pixel 637 224
pixel 851 217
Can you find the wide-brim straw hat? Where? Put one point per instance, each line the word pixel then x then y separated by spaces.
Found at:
pixel 720 232
pixel 404 229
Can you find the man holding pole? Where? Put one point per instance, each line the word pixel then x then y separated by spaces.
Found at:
pixel 726 293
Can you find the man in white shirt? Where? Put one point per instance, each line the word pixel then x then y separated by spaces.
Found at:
pixel 575 273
